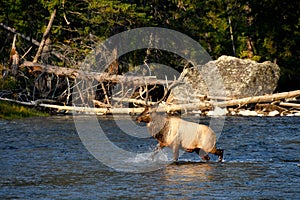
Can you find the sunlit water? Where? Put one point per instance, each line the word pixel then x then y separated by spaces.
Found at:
pixel 43 158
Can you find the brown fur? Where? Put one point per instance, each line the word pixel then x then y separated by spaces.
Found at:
pixel 173 132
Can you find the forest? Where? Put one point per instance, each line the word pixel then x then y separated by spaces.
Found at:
pixel 259 30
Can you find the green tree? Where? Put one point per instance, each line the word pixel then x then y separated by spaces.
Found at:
pixel 259 30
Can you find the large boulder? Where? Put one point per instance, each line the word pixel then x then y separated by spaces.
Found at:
pixel 230 76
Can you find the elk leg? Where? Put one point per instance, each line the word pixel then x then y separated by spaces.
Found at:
pixel 175 152
pixel 202 154
pixel 218 152
pixel 156 150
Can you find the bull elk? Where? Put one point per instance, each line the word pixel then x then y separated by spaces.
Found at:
pixel 175 133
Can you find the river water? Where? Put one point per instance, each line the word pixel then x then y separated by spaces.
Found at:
pixel 44 158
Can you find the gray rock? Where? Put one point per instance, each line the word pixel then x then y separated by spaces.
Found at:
pixel 230 76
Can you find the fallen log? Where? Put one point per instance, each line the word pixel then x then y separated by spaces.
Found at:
pixel 135 101
pixel 100 77
pixel 95 110
pixel 258 99
pixel 30 103
pixel 170 107
pixel 162 108
pixel 59 71
pixel 294 105
pixel 18 102
pixel 188 107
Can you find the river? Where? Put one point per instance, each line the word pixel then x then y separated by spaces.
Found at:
pixel 44 158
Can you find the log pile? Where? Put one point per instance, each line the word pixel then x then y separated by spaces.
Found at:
pixel 280 104
pixel 268 105
pixel 56 88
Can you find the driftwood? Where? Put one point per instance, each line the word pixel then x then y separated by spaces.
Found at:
pixel 171 107
pixel 259 99
pixel 135 101
pixel 95 110
pixel 294 105
pixel 163 108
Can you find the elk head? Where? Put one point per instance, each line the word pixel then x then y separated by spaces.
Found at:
pixel 144 116
pixel 150 112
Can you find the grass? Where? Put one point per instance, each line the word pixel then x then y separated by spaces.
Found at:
pixel 10 111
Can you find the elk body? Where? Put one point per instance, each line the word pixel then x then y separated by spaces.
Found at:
pixel 175 133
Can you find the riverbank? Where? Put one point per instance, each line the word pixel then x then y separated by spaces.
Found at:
pixel 11 111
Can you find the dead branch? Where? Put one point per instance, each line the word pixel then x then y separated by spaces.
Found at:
pixel 31 103
pixel 14 58
pixel 33 41
pixel 45 36
pixel 99 104
pixel 69 90
pixel 105 93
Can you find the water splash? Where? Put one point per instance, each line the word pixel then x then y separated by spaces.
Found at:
pixel 163 156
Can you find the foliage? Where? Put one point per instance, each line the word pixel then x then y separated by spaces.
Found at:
pixel 11 111
pixel 8 84
pixel 261 30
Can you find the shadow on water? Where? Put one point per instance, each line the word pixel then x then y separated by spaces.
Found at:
pixel 44 158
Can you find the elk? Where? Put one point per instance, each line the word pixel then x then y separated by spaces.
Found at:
pixel 175 133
